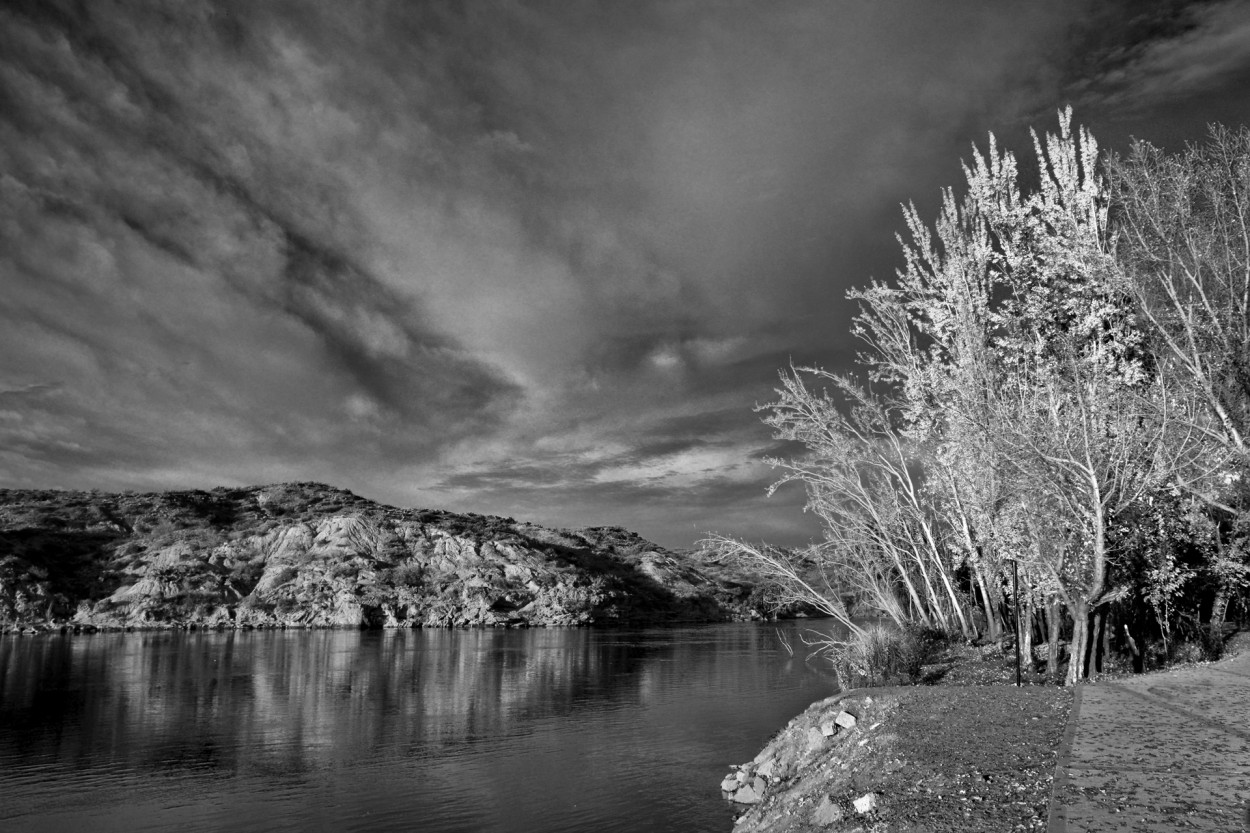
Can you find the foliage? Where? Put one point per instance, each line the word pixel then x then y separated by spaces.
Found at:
pixel 1057 363
pixel 880 654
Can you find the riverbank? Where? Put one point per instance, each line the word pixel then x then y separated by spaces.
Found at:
pixel 971 753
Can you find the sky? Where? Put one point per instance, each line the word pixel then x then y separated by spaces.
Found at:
pixel 533 259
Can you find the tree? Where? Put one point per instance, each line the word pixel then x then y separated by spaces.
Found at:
pixel 1184 226
pixel 1032 386
pixel 863 480
pixel 1184 222
pixel 794 577
pixel 1011 339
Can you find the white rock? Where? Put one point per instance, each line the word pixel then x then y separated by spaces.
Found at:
pixel 866 803
pixel 828 729
pixel 845 719
pixel 766 769
pixel 730 783
pixel 747 795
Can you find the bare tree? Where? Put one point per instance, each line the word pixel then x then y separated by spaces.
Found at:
pixel 795 578
pixel 862 478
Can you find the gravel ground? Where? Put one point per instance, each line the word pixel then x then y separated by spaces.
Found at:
pixel 971 758
pixel 970 753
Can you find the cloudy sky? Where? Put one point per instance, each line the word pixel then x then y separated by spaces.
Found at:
pixel 537 259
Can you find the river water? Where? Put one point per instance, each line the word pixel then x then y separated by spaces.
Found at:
pixel 516 731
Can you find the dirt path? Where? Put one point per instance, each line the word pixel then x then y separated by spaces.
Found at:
pixel 1163 752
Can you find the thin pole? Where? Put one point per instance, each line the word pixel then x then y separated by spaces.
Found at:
pixel 1015 592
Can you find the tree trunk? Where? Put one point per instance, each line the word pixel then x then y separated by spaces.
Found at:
pixel 1026 633
pixel 935 601
pixel 1098 636
pixel 917 605
pixel 1108 628
pixel 1080 641
pixel 964 627
pixel 1055 623
pixel 1139 662
pixel 1219 607
pixel 992 621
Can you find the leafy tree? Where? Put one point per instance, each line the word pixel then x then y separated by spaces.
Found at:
pixel 1184 229
pixel 1184 225
pixel 1039 366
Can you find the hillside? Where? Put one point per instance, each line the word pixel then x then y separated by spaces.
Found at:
pixel 309 555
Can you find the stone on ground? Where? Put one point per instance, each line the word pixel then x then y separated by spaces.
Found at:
pixel 827 812
pixel 866 803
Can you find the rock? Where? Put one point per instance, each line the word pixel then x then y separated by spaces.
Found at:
pixel 815 739
pixel 845 719
pixel 730 783
pixel 309 555
pixel 866 803
pixel 766 768
pixel 747 795
pixel 827 812
pixel 760 785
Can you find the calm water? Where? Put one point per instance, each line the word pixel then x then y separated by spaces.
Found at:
pixel 432 731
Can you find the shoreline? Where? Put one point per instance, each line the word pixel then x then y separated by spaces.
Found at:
pixel 971 753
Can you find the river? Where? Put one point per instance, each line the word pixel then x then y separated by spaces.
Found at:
pixel 515 731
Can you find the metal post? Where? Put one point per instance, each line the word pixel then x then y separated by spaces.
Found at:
pixel 1015 592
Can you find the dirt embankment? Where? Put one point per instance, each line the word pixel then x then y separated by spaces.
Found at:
pixel 962 757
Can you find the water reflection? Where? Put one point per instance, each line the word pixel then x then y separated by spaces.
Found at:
pixel 431 730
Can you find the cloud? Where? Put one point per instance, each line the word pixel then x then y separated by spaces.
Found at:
pixel 1160 54
pixel 536 259
pixel 187 310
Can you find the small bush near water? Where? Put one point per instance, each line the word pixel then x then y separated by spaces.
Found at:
pixel 882 655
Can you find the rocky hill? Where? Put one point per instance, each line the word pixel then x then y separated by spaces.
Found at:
pixel 309 555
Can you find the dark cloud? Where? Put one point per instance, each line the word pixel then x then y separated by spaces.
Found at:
pixel 539 259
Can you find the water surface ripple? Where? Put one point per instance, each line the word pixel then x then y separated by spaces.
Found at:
pixel 516 731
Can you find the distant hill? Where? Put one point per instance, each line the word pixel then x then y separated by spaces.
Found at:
pixel 310 555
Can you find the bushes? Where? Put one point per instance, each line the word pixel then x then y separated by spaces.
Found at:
pixel 1196 641
pixel 883 655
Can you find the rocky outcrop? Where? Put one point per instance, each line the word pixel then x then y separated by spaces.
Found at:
pixel 308 555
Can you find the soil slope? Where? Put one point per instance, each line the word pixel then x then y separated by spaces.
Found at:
pixel 970 754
